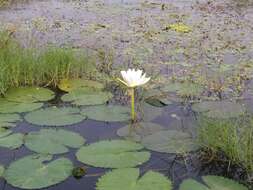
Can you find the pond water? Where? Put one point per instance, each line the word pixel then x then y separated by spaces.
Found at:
pixel 178 168
pixel 214 44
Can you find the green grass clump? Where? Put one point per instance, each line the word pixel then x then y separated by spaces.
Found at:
pixel 26 67
pixel 232 137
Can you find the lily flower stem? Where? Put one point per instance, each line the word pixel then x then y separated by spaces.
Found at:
pixel 132 104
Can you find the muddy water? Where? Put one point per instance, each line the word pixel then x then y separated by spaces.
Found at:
pixel 135 32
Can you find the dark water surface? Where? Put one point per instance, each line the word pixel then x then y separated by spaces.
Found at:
pixel 174 167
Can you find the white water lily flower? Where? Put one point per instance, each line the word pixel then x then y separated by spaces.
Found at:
pixel 133 78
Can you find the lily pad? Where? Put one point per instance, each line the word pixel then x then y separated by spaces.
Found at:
pixel 179 27
pixel 11 141
pixel 170 141
pixel 68 85
pixel 29 94
pixel 87 97
pixel 129 179
pixel 53 141
pixel 9 120
pixel 107 113
pixel 219 109
pixel 4 132
pixel 30 172
pixel 149 112
pixel 139 130
pixel 18 107
pixel 1 170
pixel 186 89
pixel 158 102
pixel 113 154
pixel 212 183
pixel 54 116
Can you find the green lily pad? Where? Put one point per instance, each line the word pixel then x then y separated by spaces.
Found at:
pixel 219 109
pixel 54 116
pixel 149 112
pixel 30 172
pixel 179 27
pixel 11 141
pixel 68 85
pixel 170 141
pixel 158 102
pixel 113 154
pixel 1 170
pixel 139 130
pixel 4 132
pixel 9 120
pixel 18 107
pixel 29 94
pixel 129 179
pixel 53 141
pixel 212 183
pixel 186 89
pixel 87 97
pixel 107 113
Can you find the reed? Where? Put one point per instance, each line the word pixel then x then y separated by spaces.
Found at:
pixel 26 67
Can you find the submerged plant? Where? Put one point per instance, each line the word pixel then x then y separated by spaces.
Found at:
pixel 133 78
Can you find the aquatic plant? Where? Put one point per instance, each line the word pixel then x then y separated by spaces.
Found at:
pixel 113 154
pixel 53 141
pixel 233 137
pixel 129 179
pixel 55 116
pixel 10 140
pixel 170 141
pixel 1 170
pixel 133 78
pixel 107 113
pixel 179 27
pixel 211 183
pixel 21 66
pixel 9 120
pixel 38 171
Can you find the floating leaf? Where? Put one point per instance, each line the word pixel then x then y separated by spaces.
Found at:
pixel 29 94
pixel 212 183
pixel 149 112
pixel 11 141
pixel 1 170
pixel 30 172
pixel 139 130
pixel 4 132
pixel 17 107
pixel 129 179
pixel 107 113
pixel 9 120
pixel 148 93
pixel 170 141
pixel 186 89
pixel 54 116
pixel 179 27
pixel 68 85
pixel 157 102
pixel 87 97
pixel 113 154
pixel 219 109
pixel 53 141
